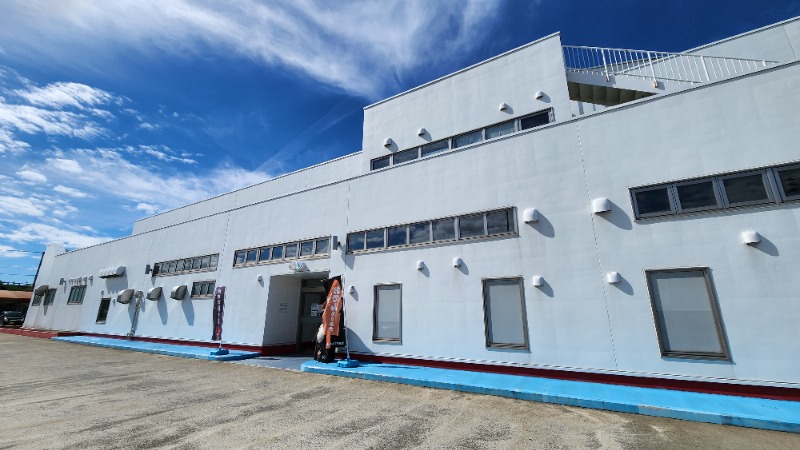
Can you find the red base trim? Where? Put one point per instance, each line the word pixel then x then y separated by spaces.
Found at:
pixel 742 390
pixel 43 334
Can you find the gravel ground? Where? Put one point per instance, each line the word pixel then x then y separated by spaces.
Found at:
pixel 60 395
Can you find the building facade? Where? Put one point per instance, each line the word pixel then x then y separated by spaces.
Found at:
pixel 605 214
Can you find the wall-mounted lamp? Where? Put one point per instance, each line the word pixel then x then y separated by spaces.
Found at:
pixel 147 269
pixel 259 278
pixel 421 132
pixel 537 281
pixel 420 265
pixel 601 205
pixel 351 289
pixel 530 215
pixel 387 142
pixel 457 262
pixel 503 106
pixel 613 278
pixel 750 237
pixel 538 95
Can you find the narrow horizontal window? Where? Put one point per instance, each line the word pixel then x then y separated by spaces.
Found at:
pixel 355 241
pixel 306 248
pixel 203 289
pixel 697 195
pixel 321 246
pixel 789 181
pixel 500 129
pixel 397 236
pixel 264 254
pixel 470 226
pixel 535 120
pixel 380 163
pixel 434 148
pixel 406 155
pixel 444 229
pixel 746 189
pixel 291 250
pixel 375 239
pixel 468 139
pixel 499 222
pixel 277 252
pixel 419 233
pixel 653 202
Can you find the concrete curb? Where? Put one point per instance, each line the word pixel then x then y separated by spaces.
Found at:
pixel 777 415
pixel 181 351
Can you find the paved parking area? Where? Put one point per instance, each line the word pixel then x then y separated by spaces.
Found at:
pixel 60 395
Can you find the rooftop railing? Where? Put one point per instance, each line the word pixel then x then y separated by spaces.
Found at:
pixel 676 67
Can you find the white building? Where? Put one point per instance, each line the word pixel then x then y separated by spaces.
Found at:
pixel 602 214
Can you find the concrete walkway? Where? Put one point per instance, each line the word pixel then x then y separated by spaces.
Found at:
pixel 183 351
pixel 711 408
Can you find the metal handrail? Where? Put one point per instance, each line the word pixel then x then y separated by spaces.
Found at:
pixel 677 67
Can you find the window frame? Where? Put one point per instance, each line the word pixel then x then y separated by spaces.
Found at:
pixel 779 184
pixel 764 180
pixel 487 314
pixel 107 301
pixel 714 188
pixel 49 297
pixel 76 295
pixel 284 247
pixel 169 267
pixel 670 194
pixel 37 299
pixel 209 292
pixel 376 339
pixel 714 304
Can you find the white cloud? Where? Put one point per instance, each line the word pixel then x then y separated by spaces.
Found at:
pixel 37 232
pixel 147 208
pixel 66 165
pixel 9 252
pixel 14 205
pixel 148 126
pixel 361 48
pixel 70 191
pixel 33 120
pixel 66 94
pixel 9 143
pixel 30 175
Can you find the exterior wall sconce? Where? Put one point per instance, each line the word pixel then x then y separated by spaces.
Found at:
pixel 750 237
pixel 538 281
pixel 259 278
pixel 457 262
pixel 613 277
pixel 420 265
pixel 503 106
pixel 601 205
pixel 62 281
pixel 538 95
pixel 387 142
pixel 351 289
pixel 530 215
pixel 421 132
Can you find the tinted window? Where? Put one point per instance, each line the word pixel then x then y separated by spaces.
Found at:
pixel 653 201
pixel 536 120
pixel 321 247
pixel 500 130
pixel 745 189
pixel 355 241
pixel 206 259
pixel 697 195
pixel 498 222
pixel 436 147
pixel 264 254
pixel 406 155
pixel 277 252
pixel 213 261
pixel 467 139
pixel 419 233
pixel 179 267
pixel 291 250
pixel 790 181
pixel 380 163
pixel 470 226
pixel 397 236
pixel 306 248
pixel 375 239
pixel 444 229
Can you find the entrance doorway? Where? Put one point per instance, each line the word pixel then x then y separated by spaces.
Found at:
pixel 312 296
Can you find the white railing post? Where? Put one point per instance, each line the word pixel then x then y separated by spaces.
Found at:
pixel 605 64
pixel 652 70
pixel 705 69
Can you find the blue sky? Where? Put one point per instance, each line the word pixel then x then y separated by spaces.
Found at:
pixel 112 111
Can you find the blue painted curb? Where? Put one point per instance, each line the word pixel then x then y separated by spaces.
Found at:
pixel 181 351
pixel 749 412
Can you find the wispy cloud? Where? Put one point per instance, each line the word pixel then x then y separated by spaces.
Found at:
pixel 70 191
pixel 38 232
pixel 360 48
pixel 14 205
pixel 30 175
pixel 66 94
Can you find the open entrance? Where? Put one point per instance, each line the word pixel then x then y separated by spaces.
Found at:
pixel 312 296
pixel 294 311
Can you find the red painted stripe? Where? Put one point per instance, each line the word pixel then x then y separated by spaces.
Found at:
pixel 742 390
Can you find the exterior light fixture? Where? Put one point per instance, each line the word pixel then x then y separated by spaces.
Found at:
pixel 420 265
pixel 538 281
pixel 387 142
pixel 613 277
pixel 457 262
pixel 503 106
pixel 601 205
pixel 538 95
pixel 421 132
pixel 530 215
pixel 750 237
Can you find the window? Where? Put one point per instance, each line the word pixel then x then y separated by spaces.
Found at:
pixel 291 250
pixel 252 256
pixel 76 294
pixel 435 147
pixel 653 202
pixel 746 189
pixel 380 163
pixel 306 248
pixel 321 246
pixel 405 156
pixel 102 312
pixel 789 182
pixel 311 248
pixel 468 139
pixel 387 313
pixel 504 313
pixel 37 300
pixel 535 120
pixel 188 265
pixel 697 195
pixel 277 252
pixel 685 311
pixel 49 297
pixel 203 289
pixel 500 129
pixel 264 254
pixel 468 226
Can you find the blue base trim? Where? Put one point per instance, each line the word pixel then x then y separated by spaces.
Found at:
pixel 750 412
pixel 182 351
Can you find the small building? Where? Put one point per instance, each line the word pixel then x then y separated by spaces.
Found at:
pixel 612 215
pixel 14 300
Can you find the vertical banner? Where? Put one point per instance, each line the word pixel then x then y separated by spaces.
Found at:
pixel 332 315
pixel 219 309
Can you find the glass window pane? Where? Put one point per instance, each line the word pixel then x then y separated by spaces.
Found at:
pixel 252 255
pixel 397 236
pixel 697 195
pixel 196 262
pixel 375 239
pixel 434 148
pixel 467 139
pixel 380 163
pixel 195 289
pixel 206 259
pixel 684 314
pixel 653 201
pixel 790 181
pixel 179 267
pixel 355 241
pixel 444 229
pixel 505 313
pixel 419 233
pixel 470 226
pixel 306 248
pixel 214 260
pixel 498 222
pixel 277 252
pixel 406 155
pixel 387 313
pixel 264 253
pixel 745 189
pixel 322 246
pixel 239 260
pixel 172 265
pixel 203 288
pixel 535 120
pixel 211 287
pixel 291 250
pixel 501 129
pixel 156 269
